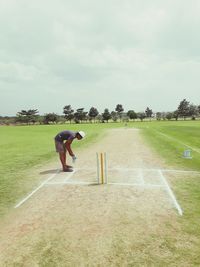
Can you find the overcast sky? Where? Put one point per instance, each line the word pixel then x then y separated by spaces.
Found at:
pixel 86 53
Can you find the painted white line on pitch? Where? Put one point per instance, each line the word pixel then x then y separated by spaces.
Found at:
pixel 181 171
pixel 141 176
pixel 95 183
pixel 86 169
pixel 172 138
pixel 140 185
pixel 131 169
pixel 34 191
pixel 123 169
pixel 171 194
pixel 163 170
pixel 72 183
pixel 70 175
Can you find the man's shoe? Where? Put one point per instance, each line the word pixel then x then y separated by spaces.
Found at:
pixel 68 166
pixel 68 170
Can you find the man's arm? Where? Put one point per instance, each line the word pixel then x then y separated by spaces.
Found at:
pixel 68 147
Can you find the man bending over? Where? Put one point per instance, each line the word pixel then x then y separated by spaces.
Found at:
pixel 63 142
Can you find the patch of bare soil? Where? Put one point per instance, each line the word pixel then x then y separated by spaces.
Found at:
pixel 95 225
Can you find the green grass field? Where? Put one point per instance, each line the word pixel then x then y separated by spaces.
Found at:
pixel 170 139
pixel 25 147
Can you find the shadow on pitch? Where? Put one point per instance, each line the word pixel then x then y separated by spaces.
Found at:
pixel 49 171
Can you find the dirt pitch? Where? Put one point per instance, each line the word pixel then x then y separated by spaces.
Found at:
pixel 97 225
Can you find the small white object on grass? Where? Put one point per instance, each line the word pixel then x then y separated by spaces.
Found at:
pixel 187 154
pixel 74 158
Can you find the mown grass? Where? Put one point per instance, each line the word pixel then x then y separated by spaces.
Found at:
pixel 170 139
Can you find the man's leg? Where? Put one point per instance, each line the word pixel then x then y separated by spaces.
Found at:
pixel 60 148
pixel 63 159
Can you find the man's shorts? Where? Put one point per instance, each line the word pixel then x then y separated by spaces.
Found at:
pixel 60 147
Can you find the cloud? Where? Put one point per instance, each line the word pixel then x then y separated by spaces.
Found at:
pixel 16 72
pixel 105 52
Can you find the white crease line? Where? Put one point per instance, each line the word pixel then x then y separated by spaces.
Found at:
pixel 163 170
pixel 141 185
pixel 70 175
pixel 94 183
pixel 123 169
pixel 172 138
pixel 137 169
pixel 140 173
pixel 34 191
pixel 181 171
pixel 86 169
pixel 171 194
pixel 71 183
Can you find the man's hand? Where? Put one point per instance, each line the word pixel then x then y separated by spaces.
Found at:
pixel 68 147
pixel 74 158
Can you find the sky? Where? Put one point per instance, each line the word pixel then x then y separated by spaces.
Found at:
pixel 86 53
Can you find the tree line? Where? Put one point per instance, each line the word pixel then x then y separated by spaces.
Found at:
pixel 184 111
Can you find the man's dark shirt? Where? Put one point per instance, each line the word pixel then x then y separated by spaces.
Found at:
pixel 65 135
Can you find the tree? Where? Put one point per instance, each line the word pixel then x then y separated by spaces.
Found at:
pixel 183 108
pixel 100 118
pixel 158 116
pixel 7 120
pixel 198 108
pixel 193 111
pixel 32 115
pixel 21 117
pixel 161 116
pixel 50 117
pixel 148 112
pixel 169 116
pixel 132 115
pixel 114 116
pixel 69 113
pixel 27 116
pixel 175 115
pixel 93 113
pixel 106 115
pixel 141 115
pixel 80 115
pixel 119 108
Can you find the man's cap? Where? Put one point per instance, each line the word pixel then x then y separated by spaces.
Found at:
pixel 82 134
